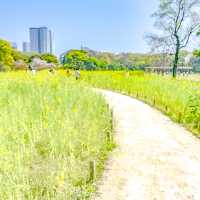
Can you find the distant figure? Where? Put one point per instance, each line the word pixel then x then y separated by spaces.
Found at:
pixel 33 71
pixel 77 74
pixel 68 72
pixel 52 71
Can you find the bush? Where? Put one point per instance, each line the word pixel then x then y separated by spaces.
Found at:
pixel 193 111
pixel 4 68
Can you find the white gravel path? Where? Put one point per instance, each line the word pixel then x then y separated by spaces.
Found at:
pixel 156 159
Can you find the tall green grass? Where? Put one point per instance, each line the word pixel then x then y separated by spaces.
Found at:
pixel 180 99
pixel 51 129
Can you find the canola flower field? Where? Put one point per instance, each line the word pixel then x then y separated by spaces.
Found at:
pixel 53 137
pixel 178 98
pixel 56 132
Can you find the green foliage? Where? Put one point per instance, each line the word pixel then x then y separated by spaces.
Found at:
pixel 93 60
pixel 193 111
pixel 79 59
pixel 8 56
pixel 196 53
pixel 49 58
pixel 17 55
pixel 6 53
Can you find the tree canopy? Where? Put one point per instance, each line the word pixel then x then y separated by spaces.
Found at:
pixel 93 60
pixel 6 51
pixel 80 59
pixel 177 20
pixel 49 58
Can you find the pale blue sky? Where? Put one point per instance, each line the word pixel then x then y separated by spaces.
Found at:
pixel 107 25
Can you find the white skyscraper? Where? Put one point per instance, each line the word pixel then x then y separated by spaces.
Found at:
pixel 41 40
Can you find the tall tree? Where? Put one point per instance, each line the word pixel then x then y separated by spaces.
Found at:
pixel 177 20
pixel 49 58
pixel 6 53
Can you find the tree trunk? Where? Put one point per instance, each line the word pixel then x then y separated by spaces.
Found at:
pixel 176 57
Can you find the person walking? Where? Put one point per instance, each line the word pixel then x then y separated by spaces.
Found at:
pixel 77 74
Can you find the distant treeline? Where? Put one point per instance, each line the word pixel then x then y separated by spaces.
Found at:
pixel 87 59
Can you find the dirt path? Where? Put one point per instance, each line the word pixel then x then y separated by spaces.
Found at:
pixel 156 159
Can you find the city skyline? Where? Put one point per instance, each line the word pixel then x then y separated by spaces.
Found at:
pixel 107 25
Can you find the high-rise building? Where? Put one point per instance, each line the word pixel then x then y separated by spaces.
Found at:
pixel 26 47
pixel 51 41
pixel 34 39
pixel 41 40
pixel 14 45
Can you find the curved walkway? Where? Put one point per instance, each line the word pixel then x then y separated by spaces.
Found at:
pixel 156 159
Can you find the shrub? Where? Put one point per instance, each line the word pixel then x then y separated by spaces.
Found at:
pixel 193 111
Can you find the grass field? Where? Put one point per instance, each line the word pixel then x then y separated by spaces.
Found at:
pixel 180 99
pixel 52 131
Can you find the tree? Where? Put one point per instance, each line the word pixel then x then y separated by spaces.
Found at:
pixel 6 58
pixel 94 60
pixel 177 20
pixel 49 58
pixel 17 55
pixel 75 59
pixel 196 53
pixel 80 59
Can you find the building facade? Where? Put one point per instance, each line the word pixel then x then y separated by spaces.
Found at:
pixel 14 45
pixel 41 40
pixel 26 47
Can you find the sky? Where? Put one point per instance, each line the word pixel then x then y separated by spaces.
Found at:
pixel 105 25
